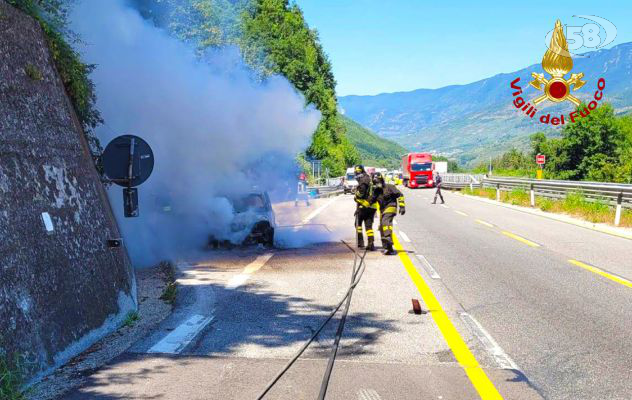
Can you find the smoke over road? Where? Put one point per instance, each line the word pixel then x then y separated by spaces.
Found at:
pixel 213 128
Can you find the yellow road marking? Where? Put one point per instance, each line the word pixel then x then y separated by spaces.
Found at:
pixel 521 239
pixel 487 224
pixel 460 213
pixel 480 381
pixel 598 271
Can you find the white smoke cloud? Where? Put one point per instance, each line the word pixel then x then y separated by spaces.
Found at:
pixel 211 125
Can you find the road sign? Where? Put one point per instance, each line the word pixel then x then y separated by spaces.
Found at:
pixel 128 161
pixel 540 159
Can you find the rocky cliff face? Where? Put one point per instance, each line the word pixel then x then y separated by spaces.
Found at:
pixel 61 287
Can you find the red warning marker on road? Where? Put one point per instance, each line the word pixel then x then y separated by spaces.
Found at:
pixel 416 307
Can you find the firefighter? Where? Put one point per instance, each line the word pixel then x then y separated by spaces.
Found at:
pixel 389 198
pixel 365 208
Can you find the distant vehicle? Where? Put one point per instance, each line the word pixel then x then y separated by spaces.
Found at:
pixel 254 221
pixel 351 183
pixel 394 177
pixel 417 170
pixel 382 171
pixel 440 167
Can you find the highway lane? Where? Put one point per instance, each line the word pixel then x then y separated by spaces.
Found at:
pixel 510 316
pixel 386 353
pixel 568 329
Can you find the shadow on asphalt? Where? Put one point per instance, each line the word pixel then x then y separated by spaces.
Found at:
pixel 254 315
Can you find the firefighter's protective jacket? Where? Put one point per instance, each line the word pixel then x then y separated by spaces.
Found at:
pixel 389 197
pixel 364 192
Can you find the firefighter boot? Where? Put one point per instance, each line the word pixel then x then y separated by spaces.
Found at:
pixel 371 246
pixel 360 241
pixel 389 250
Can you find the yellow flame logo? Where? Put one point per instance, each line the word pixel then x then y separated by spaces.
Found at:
pixel 557 62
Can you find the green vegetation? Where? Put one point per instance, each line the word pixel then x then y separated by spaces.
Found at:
pixel 168 271
pixel 274 39
pixel 374 150
pixel 51 15
pixel 596 148
pixel 131 319
pixel 170 293
pixel 574 204
pixel 11 377
pixel 33 72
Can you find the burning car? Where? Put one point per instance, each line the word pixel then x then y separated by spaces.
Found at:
pixel 253 221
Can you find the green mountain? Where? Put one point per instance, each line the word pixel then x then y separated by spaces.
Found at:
pixel 475 121
pixel 374 150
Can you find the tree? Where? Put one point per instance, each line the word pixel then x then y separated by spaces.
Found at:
pixel 589 146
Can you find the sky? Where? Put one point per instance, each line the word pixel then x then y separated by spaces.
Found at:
pixel 378 46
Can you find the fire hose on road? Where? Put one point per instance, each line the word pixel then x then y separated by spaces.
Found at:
pixel 356 276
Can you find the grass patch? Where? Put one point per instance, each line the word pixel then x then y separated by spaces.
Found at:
pixel 33 72
pixel 168 271
pixel 518 197
pixel 131 319
pixel 574 204
pixel 11 377
pixel 170 293
pixel 594 211
pixel 482 192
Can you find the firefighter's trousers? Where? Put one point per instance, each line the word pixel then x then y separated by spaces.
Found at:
pixel 386 229
pixel 365 215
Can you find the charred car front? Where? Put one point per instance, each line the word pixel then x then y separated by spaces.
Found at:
pixel 253 221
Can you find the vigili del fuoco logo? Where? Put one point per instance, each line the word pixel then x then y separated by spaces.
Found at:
pixel 557 62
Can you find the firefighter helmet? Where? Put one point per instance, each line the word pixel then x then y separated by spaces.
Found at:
pixel 378 178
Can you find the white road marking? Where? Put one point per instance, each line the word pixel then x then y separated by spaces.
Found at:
pixel 368 394
pixel 431 271
pixel 239 280
pixel 460 213
pixel 394 222
pixel 317 211
pixel 490 345
pixel 444 206
pixel 178 339
pixel 404 236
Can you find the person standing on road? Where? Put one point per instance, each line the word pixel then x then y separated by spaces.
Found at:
pixel 389 198
pixel 438 181
pixel 301 190
pixel 365 208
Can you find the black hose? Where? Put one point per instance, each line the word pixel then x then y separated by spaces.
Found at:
pixel 334 351
pixel 357 275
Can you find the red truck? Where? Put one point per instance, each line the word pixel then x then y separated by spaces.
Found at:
pixel 417 170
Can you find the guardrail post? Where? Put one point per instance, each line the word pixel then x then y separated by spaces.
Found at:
pixel 617 215
pixel 471 186
pixel 532 196
pixel 498 192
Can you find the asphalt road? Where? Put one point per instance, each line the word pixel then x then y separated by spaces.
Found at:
pixel 510 316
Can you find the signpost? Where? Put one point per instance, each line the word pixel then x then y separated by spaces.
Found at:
pixel 128 161
pixel 540 159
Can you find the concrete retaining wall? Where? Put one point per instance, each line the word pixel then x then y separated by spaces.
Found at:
pixel 60 291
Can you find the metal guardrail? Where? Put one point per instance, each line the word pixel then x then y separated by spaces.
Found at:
pixel 615 194
pixel 609 193
pixel 326 191
pixel 460 181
